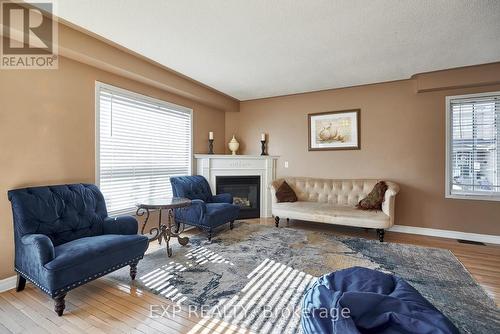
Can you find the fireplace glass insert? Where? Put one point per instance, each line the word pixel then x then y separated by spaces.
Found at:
pixel 245 191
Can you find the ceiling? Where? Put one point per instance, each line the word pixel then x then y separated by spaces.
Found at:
pixel 252 49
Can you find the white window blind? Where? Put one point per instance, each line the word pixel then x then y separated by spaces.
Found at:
pixel 141 143
pixel 473 139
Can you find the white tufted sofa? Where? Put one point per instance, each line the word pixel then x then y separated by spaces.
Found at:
pixel 333 202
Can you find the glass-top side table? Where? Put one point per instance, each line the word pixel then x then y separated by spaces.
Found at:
pixel 163 231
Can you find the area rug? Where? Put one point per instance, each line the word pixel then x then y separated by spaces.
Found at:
pixel 255 276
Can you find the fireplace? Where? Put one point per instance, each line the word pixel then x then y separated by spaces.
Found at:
pixel 245 191
pixel 218 166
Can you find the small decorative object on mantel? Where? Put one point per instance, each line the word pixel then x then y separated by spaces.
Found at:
pixel 334 130
pixel 210 142
pixel 233 145
pixel 263 143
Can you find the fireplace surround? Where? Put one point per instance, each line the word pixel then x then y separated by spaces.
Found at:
pixel 212 166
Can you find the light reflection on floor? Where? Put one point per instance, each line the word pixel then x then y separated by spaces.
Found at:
pixel 201 255
pixel 269 303
pixel 158 280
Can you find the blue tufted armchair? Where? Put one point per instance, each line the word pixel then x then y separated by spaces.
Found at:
pixel 206 211
pixel 64 238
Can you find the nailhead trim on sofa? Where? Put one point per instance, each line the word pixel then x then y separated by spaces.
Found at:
pixel 76 284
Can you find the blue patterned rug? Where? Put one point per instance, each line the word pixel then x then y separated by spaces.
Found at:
pixel 254 276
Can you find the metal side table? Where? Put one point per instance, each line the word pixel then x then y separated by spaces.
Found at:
pixel 163 231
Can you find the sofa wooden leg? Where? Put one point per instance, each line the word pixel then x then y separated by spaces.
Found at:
pixel 59 304
pixel 21 283
pixel 231 225
pixel 380 233
pixel 209 236
pixel 277 220
pixel 133 271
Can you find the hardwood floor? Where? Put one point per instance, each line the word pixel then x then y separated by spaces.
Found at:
pixel 105 306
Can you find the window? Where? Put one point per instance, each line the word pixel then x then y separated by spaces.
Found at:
pixel 473 138
pixel 141 143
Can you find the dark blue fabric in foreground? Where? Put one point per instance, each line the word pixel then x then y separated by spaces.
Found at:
pixel 377 303
pixel 64 237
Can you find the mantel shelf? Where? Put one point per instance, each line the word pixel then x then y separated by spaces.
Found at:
pixel 230 156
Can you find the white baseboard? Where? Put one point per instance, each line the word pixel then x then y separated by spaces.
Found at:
pixel 8 283
pixel 486 238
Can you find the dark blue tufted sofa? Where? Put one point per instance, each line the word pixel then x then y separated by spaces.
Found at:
pixel 64 238
pixel 206 211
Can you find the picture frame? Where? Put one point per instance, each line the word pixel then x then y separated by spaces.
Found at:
pixel 334 130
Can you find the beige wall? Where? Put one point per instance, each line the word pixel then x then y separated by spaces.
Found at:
pixel 47 120
pixel 99 53
pixel 402 139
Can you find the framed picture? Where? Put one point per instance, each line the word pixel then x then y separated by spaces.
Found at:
pixel 334 130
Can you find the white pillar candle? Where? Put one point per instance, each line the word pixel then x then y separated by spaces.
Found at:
pixel 211 135
pixel 263 137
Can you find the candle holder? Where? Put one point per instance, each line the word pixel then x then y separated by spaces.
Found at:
pixel 263 147
pixel 210 146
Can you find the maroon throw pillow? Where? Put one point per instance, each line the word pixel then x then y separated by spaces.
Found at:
pixel 285 193
pixel 374 200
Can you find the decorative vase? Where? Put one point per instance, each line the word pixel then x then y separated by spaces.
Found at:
pixel 233 145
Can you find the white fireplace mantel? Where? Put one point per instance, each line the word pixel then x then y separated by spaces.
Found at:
pixel 213 165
